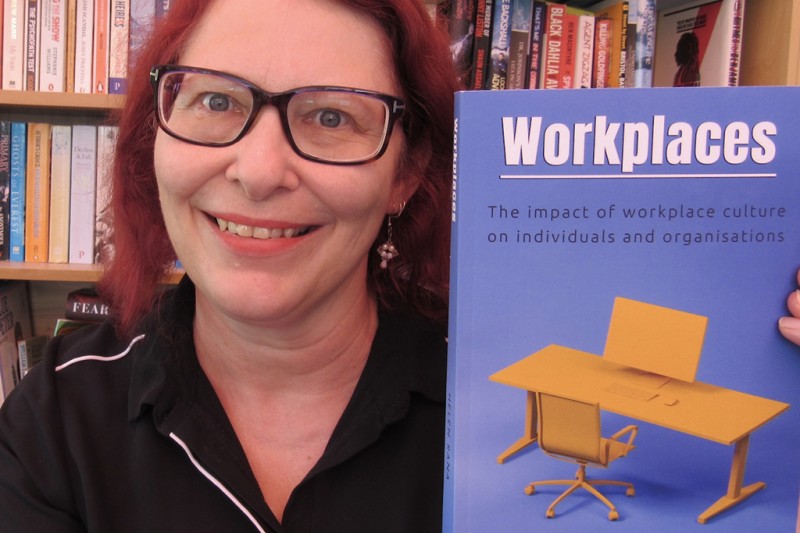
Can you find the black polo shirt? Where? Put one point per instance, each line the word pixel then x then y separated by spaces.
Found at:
pixel 108 435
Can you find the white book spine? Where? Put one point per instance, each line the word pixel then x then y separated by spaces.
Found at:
pixel 14 45
pixel 60 169
pixel 84 45
pixel 585 56
pixel 82 194
pixel 119 47
pixel 52 45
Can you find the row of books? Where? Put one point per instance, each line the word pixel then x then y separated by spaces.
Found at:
pixel 81 46
pixel 531 44
pixel 20 346
pixel 53 191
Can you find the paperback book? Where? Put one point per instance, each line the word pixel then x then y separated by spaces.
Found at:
pixel 678 201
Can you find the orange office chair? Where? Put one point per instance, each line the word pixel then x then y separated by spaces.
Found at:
pixel 570 430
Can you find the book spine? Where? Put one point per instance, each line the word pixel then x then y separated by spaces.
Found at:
pixel 69 52
pixel 602 52
pixel 585 56
pixel 31 44
pixel 566 69
pixel 60 162
pixel 37 194
pixel 142 13
pixel 458 17
pixel 483 43
pixel 106 142
pixel 535 56
pixel 736 42
pixel 84 33
pixel 82 194
pixel 86 305
pixel 18 166
pixel 497 68
pixel 118 49
pixel 519 44
pixel 14 13
pixel 102 26
pixel 645 43
pixel 623 44
pixel 5 185
pixel 553 42
pixel 52 45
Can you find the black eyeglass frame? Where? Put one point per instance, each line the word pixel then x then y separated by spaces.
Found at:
pixel 280 101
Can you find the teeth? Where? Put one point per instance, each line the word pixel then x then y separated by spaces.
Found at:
pixel 243 230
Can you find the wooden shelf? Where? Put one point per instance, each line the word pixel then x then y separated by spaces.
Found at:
pixel 62 272
pixel 61 101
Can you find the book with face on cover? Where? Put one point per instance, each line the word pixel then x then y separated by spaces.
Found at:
pixel 632 249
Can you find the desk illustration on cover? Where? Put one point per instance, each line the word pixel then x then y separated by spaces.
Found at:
pixel 647 372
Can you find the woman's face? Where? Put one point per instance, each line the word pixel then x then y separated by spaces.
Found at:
pixel 260 182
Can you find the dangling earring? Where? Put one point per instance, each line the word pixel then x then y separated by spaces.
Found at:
pixel 388 250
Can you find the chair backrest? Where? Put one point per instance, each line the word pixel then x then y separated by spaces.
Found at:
pixel 569 428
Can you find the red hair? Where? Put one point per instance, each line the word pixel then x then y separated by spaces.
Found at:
pixel 417 279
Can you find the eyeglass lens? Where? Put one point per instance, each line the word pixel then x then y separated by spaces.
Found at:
pixel 331 125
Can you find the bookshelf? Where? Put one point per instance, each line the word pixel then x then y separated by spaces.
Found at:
pixel 770 56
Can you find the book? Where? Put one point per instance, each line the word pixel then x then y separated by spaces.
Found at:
pixel 584 59
pixel 70 47
pixel 82 194
pixel 698 43
pixel 37 193
pixel 119 36
pixel 497 65
pixel 643 56
pixel 15 324
pixel 569 51
pixel 84 45
pixel 459 19
pixel 14 17
pixel 31 351
pixel 677 197
pixel 52 45
pixel 142 13
pixel 86 305
pixel 5 189
pixel 603 48
pixel 100 41
pixel 553 46
pixel 60 170
pixel 481 48
pixel 64 326
pixel 18 168
pixel 106 142
pixel 519 44
pixel 31 70
pixel 537 34
pixel 617 11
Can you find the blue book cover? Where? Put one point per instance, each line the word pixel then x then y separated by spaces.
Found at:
pixel 18 161
pixel 497 67
pixel 5 186
pixel 567 202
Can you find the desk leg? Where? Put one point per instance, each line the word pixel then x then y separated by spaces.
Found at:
pixel 736 493
pixel 530 430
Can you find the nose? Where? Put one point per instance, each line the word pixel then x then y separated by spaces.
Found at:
pixel 264 161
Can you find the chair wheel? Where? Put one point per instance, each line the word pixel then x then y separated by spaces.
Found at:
pixel 613 515
pixel 530 489
pixel 550 513
pixel 630 492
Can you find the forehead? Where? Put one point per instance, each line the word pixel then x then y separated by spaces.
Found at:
pixel 283 44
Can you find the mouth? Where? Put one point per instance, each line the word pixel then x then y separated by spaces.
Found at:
pixel 254 232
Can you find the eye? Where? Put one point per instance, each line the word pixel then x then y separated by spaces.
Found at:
pixel 216 102
pixel 329 118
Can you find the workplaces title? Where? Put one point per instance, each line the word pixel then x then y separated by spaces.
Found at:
pixel 628 145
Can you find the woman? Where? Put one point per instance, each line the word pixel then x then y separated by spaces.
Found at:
pixel 298 167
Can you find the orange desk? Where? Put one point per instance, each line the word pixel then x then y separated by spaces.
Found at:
pixel 699 409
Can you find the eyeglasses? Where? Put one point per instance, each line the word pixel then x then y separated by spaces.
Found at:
pixel 335 125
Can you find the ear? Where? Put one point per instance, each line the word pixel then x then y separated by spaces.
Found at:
pixel 402 191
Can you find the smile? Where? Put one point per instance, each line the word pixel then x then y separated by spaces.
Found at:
pixel 243 230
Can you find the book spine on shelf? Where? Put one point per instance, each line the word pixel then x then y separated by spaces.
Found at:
pixel 15 324
pixel 585 56
pixel 60 163
pixel 5 187
pixel 617 11
pixel 14 32
pixel 497 67
pixel 645 43
pixel 37 194
pixel 119 37
pixel 553 46
pixel 483 42
pixel 82 194
pixel 101 44
pixel 535 55
pixel 604 28
pixel 18 167
pixel 142 13
pixel 70 50
pixel 519 44
pixel 31 351
pixel 86 305
pixel 84 34
pixel 52 45
pixel 106 142
pixel 31 45
pixel 566 69
pixel 734 58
